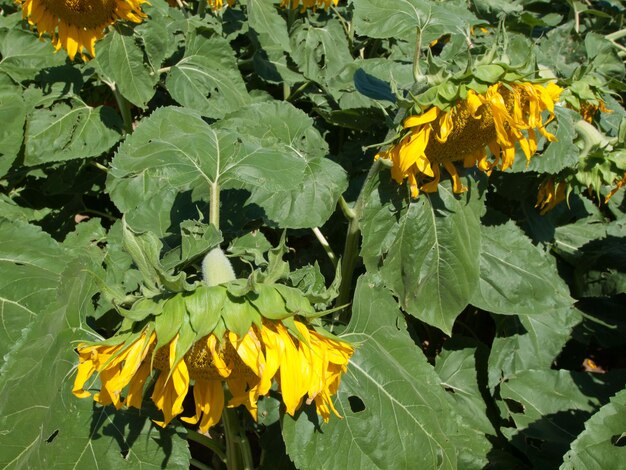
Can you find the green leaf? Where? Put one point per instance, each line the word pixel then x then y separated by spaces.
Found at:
pixel 121 61
pixel 457 366
pixel 72 433
pixel 23 55
pixel 174 149
pixel 320 52
pixel 30 266
pixel 515 276
pixel 158 41
pixel 265 20
pixel 12 116
pixel 251 247
pixel 66 133
pixel 311 203
pixel 197 238
pixel 529 342
pixel 549 409
pixel 312 283
pixel 401 19
pixel 432 250
pixel 395 413
pixel 207 79
pixel 597 446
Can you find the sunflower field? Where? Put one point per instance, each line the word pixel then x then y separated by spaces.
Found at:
pixel 312 234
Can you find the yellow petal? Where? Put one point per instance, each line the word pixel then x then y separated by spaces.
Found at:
pixel 428 116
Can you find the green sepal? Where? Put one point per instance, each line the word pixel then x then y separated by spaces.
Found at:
pixel 239 314
pixel 327 334
pixel 240 287
pixel 142 309
pixel 290 324
pixel 295 301
pixel 114 340
pixel 168 323
pixel 204 307
pixel 269 302
pixel 488 73
pixel 186 339
pixel 220 329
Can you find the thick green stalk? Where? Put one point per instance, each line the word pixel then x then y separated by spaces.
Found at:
pixel 417 71
pixel 214 205
pixel 238 452
pixel 616 35
pixel 201 11
pixel 124 106
pixel 351 247
pixel 206 442
pixel 591 136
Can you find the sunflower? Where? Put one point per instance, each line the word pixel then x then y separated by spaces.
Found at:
pixel 507 113
pixel 219 4
pixel 293 4
pixel 76 25
pixel 305 362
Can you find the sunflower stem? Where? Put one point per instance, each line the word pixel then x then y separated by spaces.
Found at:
pixel 198 464
pixel 351 248
pixel 124 106
pixel 616 35
pixel 591 136
pixel 238 452
pixel 346 209
pixel 417 71
pixel 327 248
pixel 201 11
pixel 214 207
pixel 206 442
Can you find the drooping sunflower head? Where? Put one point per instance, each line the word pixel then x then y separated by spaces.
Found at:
pixel 217 336
pixel 76 25
pixel 495 120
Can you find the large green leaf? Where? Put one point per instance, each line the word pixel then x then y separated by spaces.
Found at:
pixel 457 366
pixel 395 412
pixel 321 52
pixel 549 409
pixel 265 20
pixel 597 446
pixel 207 79
pixel 597 252
pixel 23 55
pixel 312 203
pixel 432 249
pixel 174 151
pixel 400 19
pixel 121 62
pixel 30 265
pixel 515 276
pixel 65 133
pixel 12 116
pixel 529 342
pixel 44 426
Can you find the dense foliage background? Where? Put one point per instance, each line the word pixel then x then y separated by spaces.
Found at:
pixel 488 334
